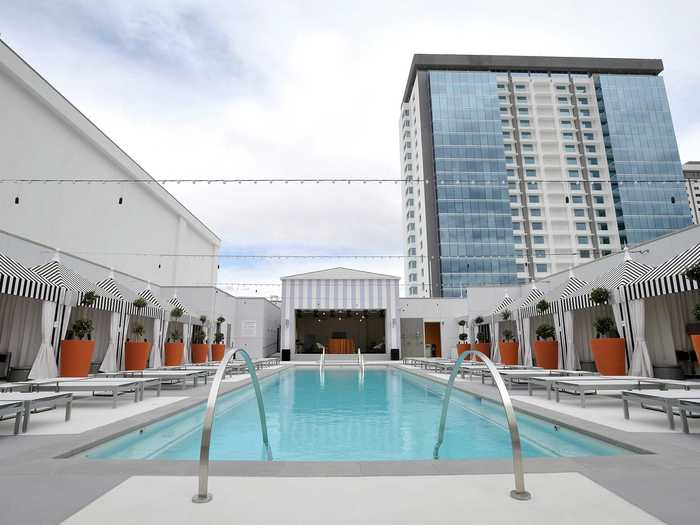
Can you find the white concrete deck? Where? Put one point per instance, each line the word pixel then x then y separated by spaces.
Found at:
pixel 560 499
pixel 88 413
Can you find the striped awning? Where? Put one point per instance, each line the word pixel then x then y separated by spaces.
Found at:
pixel 64 277
pixel 568 288
pixel 128 296
pixel 17 279
pixel 667 278
pixel 504 304
pixel 175 302
pixel 627 272
pixel 534 296
pixel 150 298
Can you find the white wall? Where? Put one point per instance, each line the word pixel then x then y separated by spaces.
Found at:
pixel 256 325
pixel 446 311
pixel 43 136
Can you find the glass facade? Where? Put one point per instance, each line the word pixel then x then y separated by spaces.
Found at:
pixel 645 167
pixel 474 217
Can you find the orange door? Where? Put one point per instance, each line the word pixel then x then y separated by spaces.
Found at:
pixel 432 337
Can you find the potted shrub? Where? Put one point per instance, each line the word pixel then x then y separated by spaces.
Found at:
pixel 140 303
pixel 200 348
pixel 177 312
pixel 600 295
pixel 608 348
pixel 136 352
pixel 462 346
pixel 89 299
pixel 508 348
pixel 546 347
pixel 77 350
pixel 542 306
pixel 218 349
pixel 506 315
pixel 174 349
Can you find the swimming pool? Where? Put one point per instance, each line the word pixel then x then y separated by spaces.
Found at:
pixel 387 414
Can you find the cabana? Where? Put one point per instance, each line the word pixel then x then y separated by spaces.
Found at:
pixel 179 326
pixel 105 311
pixel 28 305
pixel 666 298
pixel 523 324
pixel 496 321
pixel 160 328
pixel 585 311
pixel 563 320
pixel 148 315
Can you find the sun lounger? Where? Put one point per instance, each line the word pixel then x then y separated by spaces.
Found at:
pixel 33 400
pixel 688 407
pixel 14 408
pixel 520 377
pixel 547 381
pixel 582 385
pixel 111 386
pixel 171 376
pixel 666 399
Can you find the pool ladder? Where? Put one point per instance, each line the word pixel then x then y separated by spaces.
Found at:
pixel 203 496
pixel 360 361
pixel 519 493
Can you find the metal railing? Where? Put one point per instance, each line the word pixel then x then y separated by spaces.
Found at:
pixel 322 362
pixel 360 361
pixel 203 495
pixel 519 493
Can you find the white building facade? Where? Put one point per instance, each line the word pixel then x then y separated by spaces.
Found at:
pixel 691 173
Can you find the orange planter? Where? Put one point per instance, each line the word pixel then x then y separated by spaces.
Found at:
pixel 200 352
pixel 173 353
pixel 609 355
pixel 76 356
pixel 217 351
pixel 462 347
pixel 546 354
pixel 509 352
pixel 136 355
pixel 484 348
pixel 695 338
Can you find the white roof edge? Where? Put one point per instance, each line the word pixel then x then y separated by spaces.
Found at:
pixel 352 274
pixel 44 91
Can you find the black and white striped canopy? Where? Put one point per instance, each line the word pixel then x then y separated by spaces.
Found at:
pixel 627 272
pixel 570 287
pixel 504 304
pixel 64 277
pixel 175 302
pixel 17 279
pixel 128 297
pixel 151 299
pixel 667 277
pixel 531 299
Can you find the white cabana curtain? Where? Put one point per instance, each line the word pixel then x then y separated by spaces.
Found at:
pixel 558 330
pixel 45 362
pixel 109 363
pixel 583 329
pixel 20 329
pixel 571 361
pixel 527 350
pixel 154 360
pixel 620 322
pixel 641 362
pixel 495 336
pixel 205 332
pixel 125 332
pixel 186 341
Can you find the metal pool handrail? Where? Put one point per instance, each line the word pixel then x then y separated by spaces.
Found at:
pixel 519 493
pixel 360 361
pixel 322 362
pixel 203 495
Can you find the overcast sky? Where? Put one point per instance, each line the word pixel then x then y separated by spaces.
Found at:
pixel 194 88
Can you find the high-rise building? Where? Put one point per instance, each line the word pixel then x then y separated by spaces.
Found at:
pixel 518 167
pixel 691 173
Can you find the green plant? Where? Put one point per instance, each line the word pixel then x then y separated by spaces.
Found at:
pixel 545 331
pixel 140 302
pixel 174 336
pixel 478 320
pixel 693 273
pixel 507 335
pixel 600 295
pixel 605 327
pixel 220 319
pixel 138 330
pixel 82 328
pixel 506 315
pixel 542 306
pixel 177 312
pixel 462 322
pixel 463 337
pixel 218 338
pixel 203 319
pixel 696 311
pixel 89 298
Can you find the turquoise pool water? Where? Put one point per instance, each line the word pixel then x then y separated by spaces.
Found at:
pixel 387 415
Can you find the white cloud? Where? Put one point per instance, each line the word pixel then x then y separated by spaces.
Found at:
pixel 307 89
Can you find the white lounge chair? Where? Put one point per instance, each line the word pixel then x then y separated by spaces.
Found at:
pixel 114 387
pixel 688 407
pixel 580 386
pixel 666 399
pixel 14 408
pixel 33 400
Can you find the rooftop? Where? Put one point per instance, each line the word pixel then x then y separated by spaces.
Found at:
pixel 540 64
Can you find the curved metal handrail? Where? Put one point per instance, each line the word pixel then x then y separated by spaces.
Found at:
pixel 360 361
pixel 203 495
pixel 519 493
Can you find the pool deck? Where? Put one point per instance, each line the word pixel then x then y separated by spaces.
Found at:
pixel 43 480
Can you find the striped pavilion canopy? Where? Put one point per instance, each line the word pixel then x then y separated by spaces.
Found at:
pixel 175 302
pixel 128 296
pixel 17 279
pixel 627 272
pixel 531 299
pixel 150 298
pixel 505 303
pixel 667 277
pixel 570 287
pixel 65 278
